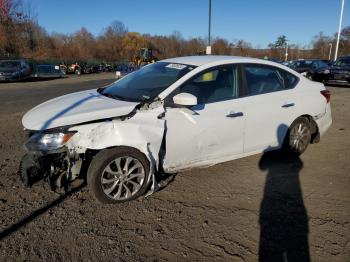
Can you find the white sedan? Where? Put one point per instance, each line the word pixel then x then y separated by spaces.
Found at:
pixel 172 115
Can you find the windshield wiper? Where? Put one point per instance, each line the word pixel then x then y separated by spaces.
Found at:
pixel 100 89
pixel 114 96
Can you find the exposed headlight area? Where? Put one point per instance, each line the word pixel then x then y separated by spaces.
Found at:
pixel 326 71
pixel 48 158
pixel 48 141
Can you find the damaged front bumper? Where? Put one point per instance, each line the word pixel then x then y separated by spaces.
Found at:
pixel 48 158
pixel 59 169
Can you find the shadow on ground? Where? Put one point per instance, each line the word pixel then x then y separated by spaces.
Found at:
pixel 283 217
pixel 35 214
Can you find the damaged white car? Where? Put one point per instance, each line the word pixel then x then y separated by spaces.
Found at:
pixel 172 115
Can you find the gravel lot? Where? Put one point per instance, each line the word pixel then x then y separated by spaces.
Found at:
pixel 225 212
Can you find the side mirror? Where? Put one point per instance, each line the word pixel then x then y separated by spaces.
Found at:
pixel 185 99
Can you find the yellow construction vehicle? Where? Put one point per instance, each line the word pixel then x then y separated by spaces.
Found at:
pixel 144 57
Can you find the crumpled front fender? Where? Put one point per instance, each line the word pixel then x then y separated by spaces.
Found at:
pixel 144 131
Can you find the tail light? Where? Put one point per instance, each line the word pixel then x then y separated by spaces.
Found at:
pixel 327 95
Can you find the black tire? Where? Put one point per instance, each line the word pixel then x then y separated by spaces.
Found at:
pixel 77 71
pixel 102 160
pixel 298 137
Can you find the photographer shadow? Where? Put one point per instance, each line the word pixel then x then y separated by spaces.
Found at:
pixel 283 217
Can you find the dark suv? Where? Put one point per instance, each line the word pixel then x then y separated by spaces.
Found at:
pixel 338 73
pixel 309 68
pixel 12 70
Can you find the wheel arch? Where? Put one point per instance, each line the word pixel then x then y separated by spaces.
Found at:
pixel 93 152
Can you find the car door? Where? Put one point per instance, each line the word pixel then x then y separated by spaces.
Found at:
pixel 211 131
pixel 269 105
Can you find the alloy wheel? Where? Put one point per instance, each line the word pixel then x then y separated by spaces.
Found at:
pixel 300 137
pixel 122 178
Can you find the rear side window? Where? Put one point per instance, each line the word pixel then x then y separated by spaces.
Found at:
pixel 289 80
pixel 262 79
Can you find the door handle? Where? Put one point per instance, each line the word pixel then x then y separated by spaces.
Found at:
pixel 233 114
pixel 288 105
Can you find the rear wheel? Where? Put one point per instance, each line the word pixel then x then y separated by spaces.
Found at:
pixel 118 175
pixel 298 137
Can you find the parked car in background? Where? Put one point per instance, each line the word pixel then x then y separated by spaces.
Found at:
pixel 337 73
pixel 102 67
pixel 87 68
pixel 63 68
pixel 46 71
pixel 272 59
pixel 74 68
pixel 14 70
pixel 127 132
pixel 287 63
pixel 109 68
pixel 309 67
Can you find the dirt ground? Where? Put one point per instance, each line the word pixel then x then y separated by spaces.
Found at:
pixel 297 209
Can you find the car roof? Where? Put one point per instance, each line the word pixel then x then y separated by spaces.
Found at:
pixel 207 59
pixel 314 59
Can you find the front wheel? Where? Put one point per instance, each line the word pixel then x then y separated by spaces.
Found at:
pixel 118 175
pixel 298 137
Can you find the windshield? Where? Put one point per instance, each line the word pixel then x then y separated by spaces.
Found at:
pixel 147 82
pixel 9 64
pixel 342 62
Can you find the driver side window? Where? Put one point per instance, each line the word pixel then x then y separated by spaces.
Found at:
pixel 213 85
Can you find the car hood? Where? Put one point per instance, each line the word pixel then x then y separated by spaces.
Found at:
pixel 340 68
pixel 75 108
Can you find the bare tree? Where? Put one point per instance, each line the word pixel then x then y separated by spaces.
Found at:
pixel 241 48
pixel 221 46
pixel 345 41
pixel 320 45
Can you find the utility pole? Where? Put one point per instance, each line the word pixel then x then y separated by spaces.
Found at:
pixel 208 51
pixel 339 29
pixel 330 51
pixel 286 53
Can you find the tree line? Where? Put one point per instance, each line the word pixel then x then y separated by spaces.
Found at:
pixel 22 36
